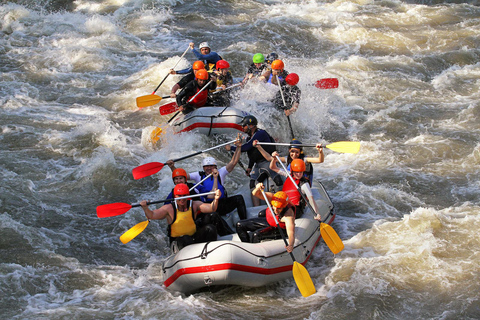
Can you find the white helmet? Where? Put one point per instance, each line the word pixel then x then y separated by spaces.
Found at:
pixel 209 161
pixel 203 45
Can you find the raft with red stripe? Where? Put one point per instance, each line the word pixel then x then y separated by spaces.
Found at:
pixel 209 121
pixel 228 261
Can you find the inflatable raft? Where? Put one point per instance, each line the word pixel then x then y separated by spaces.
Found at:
pixel 209 120
pixel 228 261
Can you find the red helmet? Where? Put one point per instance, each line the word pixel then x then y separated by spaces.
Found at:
pixel 278 65
pixel 280 199
pixel 202 74
pixel 292 79
pixel 181 189
pixel 179 172
pixel 222 64
pixel 297 165
pixel 197 65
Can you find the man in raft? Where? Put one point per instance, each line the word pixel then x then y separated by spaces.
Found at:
pixel 181 216
pixel 202 79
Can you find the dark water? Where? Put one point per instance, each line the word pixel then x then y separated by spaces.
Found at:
pixel 407 204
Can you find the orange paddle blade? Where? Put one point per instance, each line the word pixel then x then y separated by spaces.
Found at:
pixel 146 170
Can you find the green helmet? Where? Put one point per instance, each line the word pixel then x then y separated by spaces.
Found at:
pixel 258 58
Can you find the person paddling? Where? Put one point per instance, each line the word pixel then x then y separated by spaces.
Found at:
pixel 278 69
pixel 210 58
pixel 256 68
pixel 190 75
pixel 224 79
pixel 192 88
pixel 291 94
pixel 265 227
pixel 181 216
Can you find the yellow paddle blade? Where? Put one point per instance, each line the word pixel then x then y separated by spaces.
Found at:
pixel 331 238
pixel 155 135
pixel 302 279
pixel 133 232
pixel 147 101
pixel 344 146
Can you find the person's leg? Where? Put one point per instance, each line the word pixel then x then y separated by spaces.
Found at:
pixel 243 226
pixel 221 225
pixel 264 233
pixel 227 205
pixel 205 234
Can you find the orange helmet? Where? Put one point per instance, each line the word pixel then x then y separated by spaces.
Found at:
pixel 179 172
pixel 202 74
pixel 181 189
pixel 278 65
pixel 197 65
pixel 222 64
pixel 280 199
pixel 297 165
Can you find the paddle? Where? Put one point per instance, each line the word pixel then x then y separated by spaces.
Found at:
pixel 118 208
pixel 150 168
pixel 327 83
pixel 146 101
pixel 340 146
pixel 149 100
pixel 329 235
pixel 172 107
pixel 292 136
pixel 134 231
pixel 300 274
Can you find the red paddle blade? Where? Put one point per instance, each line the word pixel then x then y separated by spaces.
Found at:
pixel 327 83
pixel 146 170
pixel 168 108
pixel 112 209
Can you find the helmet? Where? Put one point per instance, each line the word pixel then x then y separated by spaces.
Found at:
pixel 280 199
pixel 258 58
pixel 222 64
pixel 204 45
pixel 278 65
pixel 209 161
pixel 197 65
pixel 179 172
pixel 292 79
pixel 181 189
pixel 271 57
pixel 295 144
pixel 249 120
pixel 297 165
pixel 202 74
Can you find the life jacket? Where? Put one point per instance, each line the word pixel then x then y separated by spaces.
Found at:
pixel 183 222
pixel 208 185
pixel 200 99
pixel 294 197
pixel 271 220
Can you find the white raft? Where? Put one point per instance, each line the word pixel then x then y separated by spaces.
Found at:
pixel 229 261
pixel 209 120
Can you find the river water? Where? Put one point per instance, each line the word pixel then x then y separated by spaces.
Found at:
pixel 407 204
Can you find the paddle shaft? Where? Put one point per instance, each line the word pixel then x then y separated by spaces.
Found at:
pixel 278 225
pixel 179 198
pixel 289 144
pixel 231 87
pixel 199 152
pixel 169 72
pixel 292 135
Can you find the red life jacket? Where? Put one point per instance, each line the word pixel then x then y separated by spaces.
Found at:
pixel 290 189
pixel 271 221
pixel 200 99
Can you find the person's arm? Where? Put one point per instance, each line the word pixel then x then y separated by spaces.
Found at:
pixel 184 71
pixel 321 155
pixel 289 221
pixel 236 154
pixel 210 207
pixel 215 184
pixel 264 153
pixel 157 214
pixel 173 92
pixel 273 162
pixel 264 77
pixel 257 192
